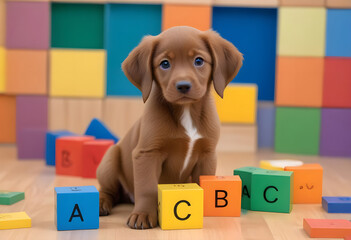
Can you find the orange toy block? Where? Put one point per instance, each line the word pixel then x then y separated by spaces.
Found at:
pixel 327 228
pixel 69 155
pixel 222 196
pixel 308 182
pixel 93 152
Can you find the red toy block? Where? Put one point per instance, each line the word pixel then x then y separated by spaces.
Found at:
pixel 69 155
pixel 348 237
pixel 327 228
pixel 93 151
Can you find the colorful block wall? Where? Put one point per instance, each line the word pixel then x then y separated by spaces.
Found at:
pixel 61 61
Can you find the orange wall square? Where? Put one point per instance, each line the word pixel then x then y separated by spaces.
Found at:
pixel 26 71
pixel 7 119
pixel 222 196
pixel 187 15
pixel 308 183
pixel 299 81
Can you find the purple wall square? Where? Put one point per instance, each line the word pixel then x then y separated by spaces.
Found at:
pixel 336 132
pixel 31 143
pixel 266 124
pixel 27 25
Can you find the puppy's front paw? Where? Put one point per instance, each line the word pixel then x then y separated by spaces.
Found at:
pixel 105 206
pixel 142 220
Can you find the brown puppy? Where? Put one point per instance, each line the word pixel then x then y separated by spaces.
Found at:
pixel 175 139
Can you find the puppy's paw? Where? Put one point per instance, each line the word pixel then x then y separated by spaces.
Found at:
pixel 142 220
pixel 105 206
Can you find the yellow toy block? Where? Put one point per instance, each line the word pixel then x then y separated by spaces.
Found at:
pixel 15 220
pixel 238 105
pixel 301 31
pixel 180 206
pixel 2 69
pixel 279 165
pixel 77 73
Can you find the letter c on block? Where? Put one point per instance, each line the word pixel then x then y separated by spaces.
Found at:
pixel 265 193
pixel 175 210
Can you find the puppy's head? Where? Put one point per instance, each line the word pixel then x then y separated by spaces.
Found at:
pixel 183 61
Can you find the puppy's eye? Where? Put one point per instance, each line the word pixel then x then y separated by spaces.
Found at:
pixel 165 64
pixel 198 62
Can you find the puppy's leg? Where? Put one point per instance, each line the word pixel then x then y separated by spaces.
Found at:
pixel 107 175
pixel 147 170
pixel 206 165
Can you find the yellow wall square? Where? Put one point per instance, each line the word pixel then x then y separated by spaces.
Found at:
pixel 180 206
pixel 15 220
pixel 238 105
pixel 301 31
pixel 2 69
pixel 77 73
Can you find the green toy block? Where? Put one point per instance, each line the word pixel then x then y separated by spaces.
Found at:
pixel 245 174
pixel 272 191
pixel 297 130
pixel 9 198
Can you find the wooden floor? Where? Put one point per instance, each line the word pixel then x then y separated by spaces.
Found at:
pixel 38 182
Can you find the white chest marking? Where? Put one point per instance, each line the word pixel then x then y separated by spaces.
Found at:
pixel 192 133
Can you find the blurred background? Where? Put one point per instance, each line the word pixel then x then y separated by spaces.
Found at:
pixel 60 66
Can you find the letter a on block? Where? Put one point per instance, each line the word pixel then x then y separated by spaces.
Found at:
pixel 76 208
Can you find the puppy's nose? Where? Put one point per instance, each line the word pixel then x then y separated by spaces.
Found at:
pixel 183 86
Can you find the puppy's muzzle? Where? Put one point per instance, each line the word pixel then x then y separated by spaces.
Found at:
pixel 183 86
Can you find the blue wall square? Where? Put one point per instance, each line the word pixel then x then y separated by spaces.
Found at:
pixel 76 208
pixel 253 31
pixel 126 24
pixel 338 43
pixel 266 124
pixel 50 148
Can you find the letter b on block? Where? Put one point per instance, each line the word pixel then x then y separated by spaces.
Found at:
pixel 76 208
pixel 180 206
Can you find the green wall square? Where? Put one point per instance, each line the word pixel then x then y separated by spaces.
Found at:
pixel 297 130
pixel 77 25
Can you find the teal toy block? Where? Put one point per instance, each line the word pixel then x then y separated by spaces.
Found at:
pixel 76 208
pixel 99 130
pixel 245 174
pixel 50 151
pixel 9 198
pixel 272 191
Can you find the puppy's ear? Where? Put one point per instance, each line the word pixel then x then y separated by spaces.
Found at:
pixel 226 60
pixel 138 66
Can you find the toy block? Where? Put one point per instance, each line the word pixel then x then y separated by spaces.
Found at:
pixel 185 2
pixel 246 3
pixel 122 18
pixel 337 204
pixel 31 112
pixel 272 191
pixel 2 23
pixel 76 208
pixel 15 220
pixel 337 83
pixel 69 155
pixel 338 4
pixel 348 237
pixel 93 152
pixel 335 132
pixel 279 165
pixel 237 138
pixel 239 104
pixel 222 196
pixel 246 22
pixel 77 73
pixel 297 130
pixel 180 206
pixel 76 25
pixel 183 15
pixel 50 151
pixel 299 81
pixel 301 31
pixel 265 124
pixel 132 109
pixel 27 25
pixel 9 198
pixel 26 71
pixel 338 38
pixel 31 143
pixel 7 119
pixel 302 3
pixel 99 130
pixel 245 174
pixel 2 69
pixel 308 183
pixel 327 228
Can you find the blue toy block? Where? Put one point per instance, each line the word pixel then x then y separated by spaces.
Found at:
pixel 123 32
pixel 338 33
pixel 266 124
pixel 51 137
pixel 337 204
pixel 76 208
pixel 251 24
pixel 99 130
